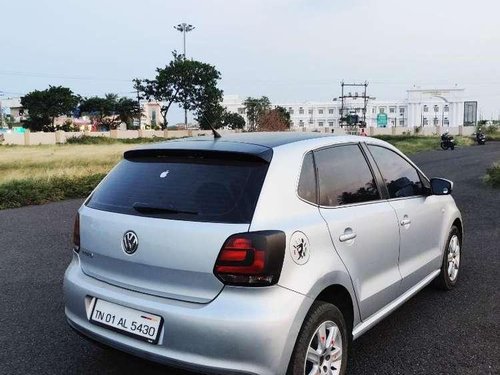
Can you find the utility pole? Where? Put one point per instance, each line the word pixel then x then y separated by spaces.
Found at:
pixel 345 108
pixel 1 111
pixel 184 28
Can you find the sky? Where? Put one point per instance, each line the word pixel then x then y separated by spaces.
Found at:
pixel 288 50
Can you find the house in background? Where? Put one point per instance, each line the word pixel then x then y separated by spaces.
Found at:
pixel 12 107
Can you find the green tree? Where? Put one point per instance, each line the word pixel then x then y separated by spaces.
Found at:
pixel 110 111
pixel 255 108
pixel 44 106
pixel 233 120
pixel 215 115
pixel 97 108
pixel 189 83
pixel 128 109
pixel 211 114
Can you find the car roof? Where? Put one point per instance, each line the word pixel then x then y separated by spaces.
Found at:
pixel 259 144
pixel 271 139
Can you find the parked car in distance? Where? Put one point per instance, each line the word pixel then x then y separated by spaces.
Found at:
pixel 257 253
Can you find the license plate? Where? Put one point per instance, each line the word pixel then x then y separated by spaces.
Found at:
pixel 131 322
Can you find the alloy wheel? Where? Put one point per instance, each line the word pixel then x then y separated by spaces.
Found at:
pixel 324 353
pixel 453 257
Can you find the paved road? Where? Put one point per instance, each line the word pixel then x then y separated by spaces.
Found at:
pixel 434 333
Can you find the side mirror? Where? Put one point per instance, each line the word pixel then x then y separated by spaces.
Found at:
pixel 441 186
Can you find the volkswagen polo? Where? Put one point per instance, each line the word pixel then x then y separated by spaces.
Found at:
pixel 257 253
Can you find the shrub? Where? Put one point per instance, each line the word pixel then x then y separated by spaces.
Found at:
pixel 492 177
pixel 30 191
pixel 99 140
pixel 410 144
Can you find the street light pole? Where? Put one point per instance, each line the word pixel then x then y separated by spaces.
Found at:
pixel 1 111
pixel 184 28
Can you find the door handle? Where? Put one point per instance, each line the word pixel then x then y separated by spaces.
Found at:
pixel 347 236
pixel 405 221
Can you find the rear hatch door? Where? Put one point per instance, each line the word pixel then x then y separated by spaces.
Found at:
pixel 158 221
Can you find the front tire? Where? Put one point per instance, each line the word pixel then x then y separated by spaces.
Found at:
pixel 322 345
pixel 448 277
pixel 444 146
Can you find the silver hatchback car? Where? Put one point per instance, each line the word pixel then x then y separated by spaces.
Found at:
pixel 257 253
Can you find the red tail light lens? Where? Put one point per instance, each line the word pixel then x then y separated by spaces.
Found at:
pixel 251 259
pixel 76 233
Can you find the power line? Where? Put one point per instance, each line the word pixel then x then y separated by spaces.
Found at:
pixel 58 76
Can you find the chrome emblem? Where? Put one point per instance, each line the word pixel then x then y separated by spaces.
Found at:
pixel 130 242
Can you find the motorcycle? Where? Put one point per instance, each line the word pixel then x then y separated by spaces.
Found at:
pixel 480 138
pixel 447 142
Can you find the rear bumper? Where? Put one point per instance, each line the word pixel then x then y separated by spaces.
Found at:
pixel 244 330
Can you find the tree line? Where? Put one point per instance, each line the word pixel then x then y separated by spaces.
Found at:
pixel 186 83
pixel 45 106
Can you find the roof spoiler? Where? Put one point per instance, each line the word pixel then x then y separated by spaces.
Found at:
pixel 158 154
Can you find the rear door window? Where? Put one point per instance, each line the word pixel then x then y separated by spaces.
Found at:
pixel 307 182
pixel 344 176
pixel 400 177
pixel 183 189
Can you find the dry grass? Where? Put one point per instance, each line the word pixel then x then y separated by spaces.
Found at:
pixel 46 162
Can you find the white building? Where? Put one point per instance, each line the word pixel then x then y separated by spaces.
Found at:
pixel 421 107
pixel 11 106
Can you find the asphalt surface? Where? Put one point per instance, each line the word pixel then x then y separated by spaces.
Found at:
pixel 435 332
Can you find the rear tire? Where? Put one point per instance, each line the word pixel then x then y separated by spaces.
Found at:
pixel 452 258
pixel 443 146
pixel 322 344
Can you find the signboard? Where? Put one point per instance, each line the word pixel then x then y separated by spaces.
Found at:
pixel 382 120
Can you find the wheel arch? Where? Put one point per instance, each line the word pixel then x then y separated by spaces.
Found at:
pixel 458 223
pixel 454 220
pixel 336 287
pixel 341 297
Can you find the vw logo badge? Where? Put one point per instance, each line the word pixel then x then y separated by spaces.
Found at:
pixel 130 242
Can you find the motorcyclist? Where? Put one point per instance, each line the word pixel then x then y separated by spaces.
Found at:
pixel 479 134
pixel 447 141
pixel 445 136
pixel 480 137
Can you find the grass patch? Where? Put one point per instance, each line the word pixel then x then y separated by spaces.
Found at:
pixel 40 174
pixel 410 144
pixel 492 137
pixel 49 161
pixel 32 191
pixel 492 177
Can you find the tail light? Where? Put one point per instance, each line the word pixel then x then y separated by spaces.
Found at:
pixel 251 259
pixel 76 233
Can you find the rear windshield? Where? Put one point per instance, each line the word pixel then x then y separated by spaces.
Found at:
pixel 196 190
